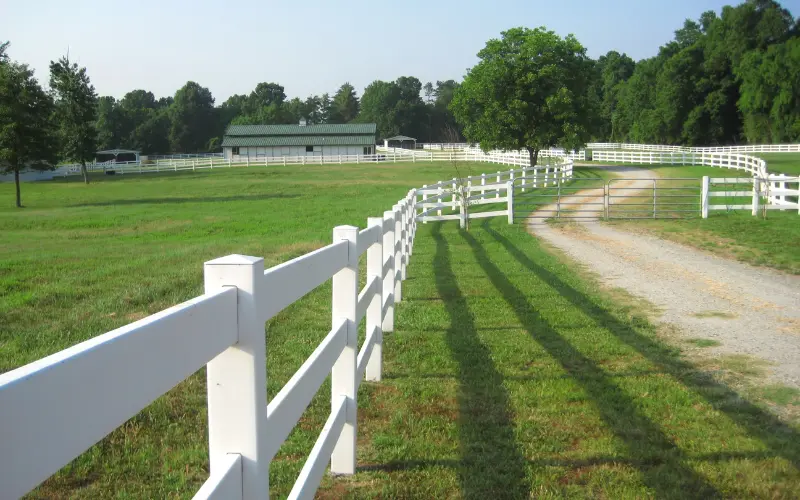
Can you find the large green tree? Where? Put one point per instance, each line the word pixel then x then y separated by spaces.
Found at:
pixel 76 111
pixel 530 90
pixel 192 119
pixel 27 137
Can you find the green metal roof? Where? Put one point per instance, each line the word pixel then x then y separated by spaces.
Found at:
pixel 302 140
pixel 289 130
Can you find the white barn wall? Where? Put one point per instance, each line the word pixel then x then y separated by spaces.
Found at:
pixel 270 152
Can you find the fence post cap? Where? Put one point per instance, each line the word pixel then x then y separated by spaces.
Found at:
pixel 345 230
pixel 234 260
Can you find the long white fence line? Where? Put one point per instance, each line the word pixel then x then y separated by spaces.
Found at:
pixel 54 409
pixel 751 164
pixel 210 163
pixel 752 148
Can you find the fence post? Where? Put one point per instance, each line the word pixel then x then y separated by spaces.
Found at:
pixel 524 171
pixel 237 378
pixel 387 324
pixel 412 221
pixel 343 374
pixel 398 254
pixel 212 161
pixel 440 198
pixel 704 198
pixel 756 194
pixel 375 270
pixel 453 199
pixel 510 196
pixel 403 238
pixel 483 184
pixel 424 199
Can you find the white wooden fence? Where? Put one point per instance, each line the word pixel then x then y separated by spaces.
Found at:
pixel 773 192
pixel 210 163
pixel 54 409
pixel 496 188
pixel 752 148
pixel 751 164
pixel 779 191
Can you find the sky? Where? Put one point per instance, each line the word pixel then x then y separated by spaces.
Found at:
pixel 312 46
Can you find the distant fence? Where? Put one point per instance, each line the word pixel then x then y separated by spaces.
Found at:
pixel 753 148
pixel 210 163
pixel 752 165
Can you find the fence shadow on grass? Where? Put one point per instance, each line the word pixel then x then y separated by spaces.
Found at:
pixel 201 199
pixel 781 439
pixel 662 465
pixel 492 465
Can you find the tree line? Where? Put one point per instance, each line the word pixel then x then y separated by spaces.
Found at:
pixel 723 79
pixel 190 122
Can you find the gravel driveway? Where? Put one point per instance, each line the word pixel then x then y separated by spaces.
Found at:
pixel 749 310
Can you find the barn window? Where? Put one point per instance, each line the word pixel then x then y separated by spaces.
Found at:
pixel 309 149
pixel 367 150
pixel 235 150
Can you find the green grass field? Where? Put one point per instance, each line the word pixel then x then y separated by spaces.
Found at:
pixel 781 163
pixel 509 374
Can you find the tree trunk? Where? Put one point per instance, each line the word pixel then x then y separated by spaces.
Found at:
pixel 84 172
pixel 16 181
pixel 534 156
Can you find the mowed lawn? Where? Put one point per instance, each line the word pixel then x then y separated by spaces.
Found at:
pixel 508 375
pixel 781 163
pixel 770 242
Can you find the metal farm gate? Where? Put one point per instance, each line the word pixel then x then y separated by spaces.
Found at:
pixel 668 198
pixel 595 198
pixel 577 198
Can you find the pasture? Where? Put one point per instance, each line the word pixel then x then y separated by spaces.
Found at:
pixel 508 371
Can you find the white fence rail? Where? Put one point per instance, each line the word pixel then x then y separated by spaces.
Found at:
pixel 752 165
pixel 774 192
pixel 444 195
pixel 210 163
pixel 753 148
pixel 55 408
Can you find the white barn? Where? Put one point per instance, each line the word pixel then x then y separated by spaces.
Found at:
pixel 259 141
